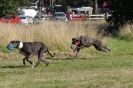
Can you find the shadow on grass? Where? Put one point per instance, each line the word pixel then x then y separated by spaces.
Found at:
pixel 19 66
pixel 68 58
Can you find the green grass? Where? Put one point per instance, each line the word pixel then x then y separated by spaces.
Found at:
pixel 92 69
pixel 101 72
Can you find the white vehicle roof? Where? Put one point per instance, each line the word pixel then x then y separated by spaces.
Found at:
pixel 85 9
pixel 28 12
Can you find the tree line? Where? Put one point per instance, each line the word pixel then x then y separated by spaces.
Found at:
pixel 8 7
pixel 122 10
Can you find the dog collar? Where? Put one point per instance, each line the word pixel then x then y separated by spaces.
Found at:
pixel 20 45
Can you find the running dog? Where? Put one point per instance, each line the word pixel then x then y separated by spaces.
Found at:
pixel 85 41
pixel 29 49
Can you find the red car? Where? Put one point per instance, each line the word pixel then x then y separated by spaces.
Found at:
pixel 77 17
pixel 10 19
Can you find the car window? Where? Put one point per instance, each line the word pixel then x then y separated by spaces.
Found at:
pixel 36 17
pixel 59 14
pixel 22 17
pixel 42 16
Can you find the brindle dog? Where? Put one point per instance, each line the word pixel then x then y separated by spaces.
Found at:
pixel 85 41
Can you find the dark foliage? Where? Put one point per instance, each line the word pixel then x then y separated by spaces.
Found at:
pixel 122 12
pixel 10 7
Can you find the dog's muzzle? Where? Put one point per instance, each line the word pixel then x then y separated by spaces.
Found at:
pixel 10 46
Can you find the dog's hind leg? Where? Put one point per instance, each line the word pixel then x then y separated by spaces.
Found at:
pixel 107 49
pixel 38 62
pixel 50 54
pixel 41 57
pixel 100 48
pixel 104 48
pixel 45 61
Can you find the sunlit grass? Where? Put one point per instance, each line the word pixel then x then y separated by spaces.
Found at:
pixel 96 72
pixel 126 32
pixel 91 69
pixel 57 35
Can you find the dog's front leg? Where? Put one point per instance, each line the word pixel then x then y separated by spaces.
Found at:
pixel 24 61
pixel 28 60
pixel 75 52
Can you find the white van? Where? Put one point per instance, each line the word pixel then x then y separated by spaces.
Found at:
pixel 28 12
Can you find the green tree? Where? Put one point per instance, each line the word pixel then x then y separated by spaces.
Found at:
pixel 8 7
pixel 75 2
pixel 95 6
pixel 24 2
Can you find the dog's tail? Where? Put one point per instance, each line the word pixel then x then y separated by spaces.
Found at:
pixel 51 54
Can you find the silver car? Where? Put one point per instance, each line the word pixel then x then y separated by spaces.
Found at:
pixel 60 16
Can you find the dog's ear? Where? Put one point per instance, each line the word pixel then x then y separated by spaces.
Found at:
pixel 15 42
pixel 73 39
pixel 81 37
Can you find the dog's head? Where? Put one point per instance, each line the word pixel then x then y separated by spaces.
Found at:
pixel 76 43
pixel 15 44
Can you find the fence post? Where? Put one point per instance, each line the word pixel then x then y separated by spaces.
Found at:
pixel 89 17
pixel 106 15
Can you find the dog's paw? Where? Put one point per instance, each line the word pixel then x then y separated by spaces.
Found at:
pixel 47 64
pixel 33 65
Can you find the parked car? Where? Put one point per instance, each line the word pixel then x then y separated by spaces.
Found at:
pixel 45 17
pixel 24 20
pixel 10 19
pixel 60 16
pixel 80 14
pixel 36 19
pixel 30 19
pixel 77 17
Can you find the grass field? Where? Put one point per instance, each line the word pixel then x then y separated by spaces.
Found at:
pixel 98 70
pixel 91 69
